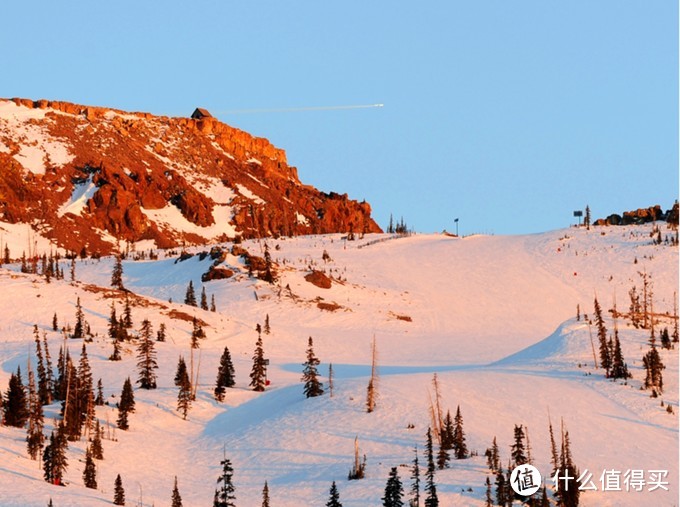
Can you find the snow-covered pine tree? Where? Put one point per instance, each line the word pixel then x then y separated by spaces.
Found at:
pixel 204 299
pixel 118 491
pixel 394 491
pixel 79 327
pixel 15 405
pixel 176 498
pixel 258 373
pixel 34 437
pixel 265 495
pixel 90 471
pixel 605 358
pixel 310 375
pixel 184 396
pixel 224 495
pixel 460 450
pixel 415 480
pixel 117 274
pixel 190 296
pixel 333 497
pixel 146 357
pixel 225 375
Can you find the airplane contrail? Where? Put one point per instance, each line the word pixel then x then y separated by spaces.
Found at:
pixel 295 109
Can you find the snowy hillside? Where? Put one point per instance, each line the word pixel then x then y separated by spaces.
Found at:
pixel 493 317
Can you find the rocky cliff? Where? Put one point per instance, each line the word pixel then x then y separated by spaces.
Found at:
pixel 91 177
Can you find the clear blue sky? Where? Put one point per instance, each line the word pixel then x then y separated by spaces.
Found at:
pixel 506 114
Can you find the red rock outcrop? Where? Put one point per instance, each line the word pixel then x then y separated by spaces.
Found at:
pixel 139 163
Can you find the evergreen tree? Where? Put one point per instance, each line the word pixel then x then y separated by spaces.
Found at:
pixel 85 389
pixel 330 379
pixel 586 219
pixel 492 458
pixel 71 407
pixel 489 498
pixel 446 439
pixel 118 491
pixel 415 480
pixel 665 339
pixel 44 380
pixel 334 497
pixel 197 334
pixel 114 331
pixel 310 376
pixel 258 373
pixel 125 405
pixel 619 368
pixel 55 323
pixel 213 308
pixel 184 396
pixel 54 457
pixel 517 450
pixel 267 327
pixel 96 447
pixel 224 495
pixel 567 491
pixel 79 328
pixel 204 299
pixel 653 366
pixel 90 471
pixel 35 437
pixel 115 355
pixel 146 355
pixel 117 274
pixel 268 272
pixel 225 375
pixel 99 399
pixel 176 498
pixel 161 335
pixel 190 297
pixel 605 358
pixel 459 446
pixel 393 490
pixel 265 495
pixel 127 318
pixel 431 500
pixel 181 371
pixel 501 487
pixel 60 383
pixel 15 405
pixel 443 458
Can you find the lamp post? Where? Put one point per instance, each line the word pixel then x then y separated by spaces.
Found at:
pixel 456 222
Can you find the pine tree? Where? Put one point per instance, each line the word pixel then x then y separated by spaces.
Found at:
pixel 225 375
pixel 197 334
pixel 99 399
pixel 146 355
pixel 34 437
pixel 181 371
pixel 431 500
pixel 184 396
pixel 586 219
pixel 517 450
pixel 267 327
pixel 415 480
pixel 85 389
pixel 54 457
pixel 268 271
pixel 176 498
pixel 44 380
pixel 443 458
pixel 96 447
pixel 114 331
pixel 619 368
pixel 118 491
pixel 90 471
pixel 79 328
pixel 492 458
pixel 393 490
pixel 330 379
pixel 258 373
pixel 501 487
pixel 459 446
pixel 127 318
pixel 224 495
pixel 310 376
pixel 117 274
pixel 447 432
pixel 15 405
pixel 213 308
pixel 334 497
pixel 567 491
pixel 55 323
pixel 162 334
pixel 60 382
pixel 190 297
pixel 665 339
pixel 653 366
pixel 605 359
pixel 265 495
pixel 204 299
pixel 71 407
pixel 115 355
pixel 125 405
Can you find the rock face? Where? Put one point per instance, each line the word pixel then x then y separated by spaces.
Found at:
pixel 88 177
pixel 641 216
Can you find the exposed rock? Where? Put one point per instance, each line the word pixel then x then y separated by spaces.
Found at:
pixel 319 279
pixel 141 164
pixel 217 273
pixel 640 216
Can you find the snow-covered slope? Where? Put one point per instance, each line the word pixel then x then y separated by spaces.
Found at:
pixel 494 317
